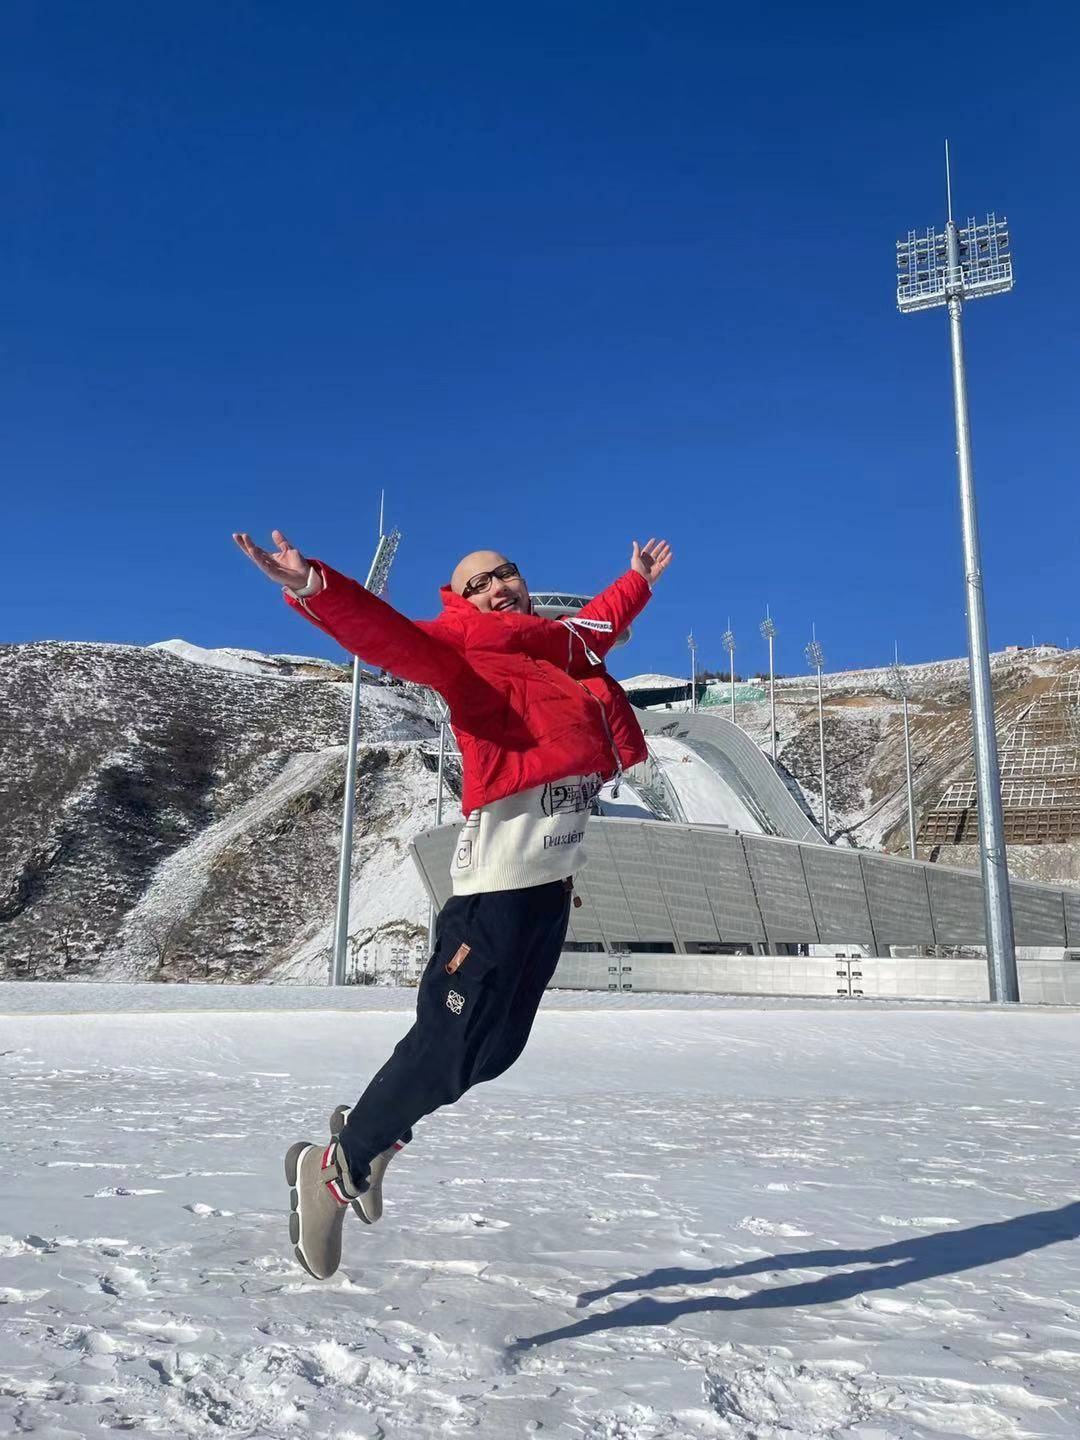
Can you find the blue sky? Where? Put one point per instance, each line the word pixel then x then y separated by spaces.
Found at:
pixel 558 276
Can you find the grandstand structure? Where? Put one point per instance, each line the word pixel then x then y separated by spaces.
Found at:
pixel 554 604
pixel 653 691
pixel 1039 755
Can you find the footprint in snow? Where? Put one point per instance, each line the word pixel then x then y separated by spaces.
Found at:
pixel 115 1190
pixel 918 1222
pixel 456 1224
pixel 757 1225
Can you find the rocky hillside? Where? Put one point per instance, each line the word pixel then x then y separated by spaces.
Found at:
pixel 174 814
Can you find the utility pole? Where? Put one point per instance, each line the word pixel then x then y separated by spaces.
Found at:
pixel 728 643
pixel 816 658
pixel 693 671
pixel 937 269
pixel 378 574
pixel 900 684
pixel 768 630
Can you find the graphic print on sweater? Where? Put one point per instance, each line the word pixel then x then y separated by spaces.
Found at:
pixel 574 796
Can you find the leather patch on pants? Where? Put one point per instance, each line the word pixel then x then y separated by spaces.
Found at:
pixel 457 959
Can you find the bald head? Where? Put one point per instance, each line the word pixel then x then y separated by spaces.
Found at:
pixel 509 594
pixel 474 564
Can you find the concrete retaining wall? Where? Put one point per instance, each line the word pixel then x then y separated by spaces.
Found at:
pixel 1042 982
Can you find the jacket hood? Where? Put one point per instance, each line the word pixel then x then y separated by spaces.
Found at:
pixel 450 601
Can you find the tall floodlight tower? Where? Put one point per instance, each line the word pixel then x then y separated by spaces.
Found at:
pixel 815 657
pixel 728 642
pixel 967 263
pixel 692 643
pixel 376 583
pixel 900 685
pixel 768 631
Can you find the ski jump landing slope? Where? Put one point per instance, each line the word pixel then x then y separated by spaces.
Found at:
pixel 720 777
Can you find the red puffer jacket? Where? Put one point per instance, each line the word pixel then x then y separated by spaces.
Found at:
pixel 530 700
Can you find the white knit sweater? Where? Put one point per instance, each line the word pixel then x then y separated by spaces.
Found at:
pixel 526 839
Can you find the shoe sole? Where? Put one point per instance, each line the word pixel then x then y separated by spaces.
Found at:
pixel 337 1124
pixel 292 1167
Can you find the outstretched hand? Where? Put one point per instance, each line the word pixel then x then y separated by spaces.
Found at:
pixel 651 559
pixel 285 567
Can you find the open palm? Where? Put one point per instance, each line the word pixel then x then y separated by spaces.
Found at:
pixel 286 566
pixel 651 559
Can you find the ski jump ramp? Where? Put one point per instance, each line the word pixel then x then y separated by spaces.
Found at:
pixel 734 785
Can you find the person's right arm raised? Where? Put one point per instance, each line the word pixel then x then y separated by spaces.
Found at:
pixel 359 620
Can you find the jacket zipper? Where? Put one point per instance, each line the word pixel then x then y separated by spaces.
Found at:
pixel 569 623
pixel 611 739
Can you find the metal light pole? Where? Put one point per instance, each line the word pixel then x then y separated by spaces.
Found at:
pixel 438 814
pixel 728 642
pixel 376 583
pixel 693 671
pixel 900 684
pixel 768 630
pixel 946 269
pixel 816 659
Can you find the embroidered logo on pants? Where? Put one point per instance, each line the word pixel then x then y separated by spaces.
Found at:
pixel 455 1002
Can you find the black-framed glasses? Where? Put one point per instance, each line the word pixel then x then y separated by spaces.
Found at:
pixel 479 583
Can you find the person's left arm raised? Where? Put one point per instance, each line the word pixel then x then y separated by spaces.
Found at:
pixel 625 598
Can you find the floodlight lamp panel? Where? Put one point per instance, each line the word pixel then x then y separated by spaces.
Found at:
pixel 384 558
pixel 728 641
pixel 815 655
pixel 925 279
pixel 768 629
pixel 985 258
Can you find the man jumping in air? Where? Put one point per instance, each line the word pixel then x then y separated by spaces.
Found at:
pixel 541 726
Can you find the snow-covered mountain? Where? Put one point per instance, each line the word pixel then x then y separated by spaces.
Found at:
pixel 173 813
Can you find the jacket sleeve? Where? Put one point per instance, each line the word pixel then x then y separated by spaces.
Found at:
pixel 381 635
pixel 610 613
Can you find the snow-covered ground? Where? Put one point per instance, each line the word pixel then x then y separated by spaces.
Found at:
pixel 670 1219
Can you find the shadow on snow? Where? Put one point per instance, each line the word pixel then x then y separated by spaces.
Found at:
pixel 904 1262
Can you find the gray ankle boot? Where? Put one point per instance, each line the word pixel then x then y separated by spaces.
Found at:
pixel 320 1194
pixel 369 1205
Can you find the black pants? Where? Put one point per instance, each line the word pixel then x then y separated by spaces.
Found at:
pixel 494 955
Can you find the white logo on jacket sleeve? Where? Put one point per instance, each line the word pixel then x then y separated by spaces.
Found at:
pixel 455 1002
pixel 464 855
